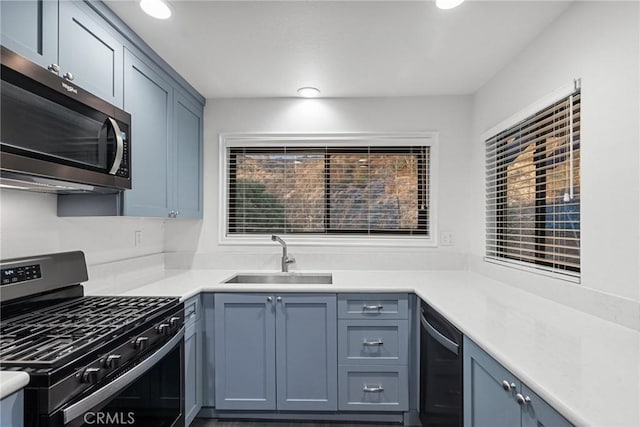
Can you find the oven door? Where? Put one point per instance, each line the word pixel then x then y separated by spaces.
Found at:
pixel 151 393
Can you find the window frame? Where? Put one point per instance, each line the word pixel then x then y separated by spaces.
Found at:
pixel 263 140
pixel 545 102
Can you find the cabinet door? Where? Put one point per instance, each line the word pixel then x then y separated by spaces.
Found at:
pixel 148 99
pixel 30 28
pixel 245 352
pixel 91 54
pixel 486 402
pixel 11 410
pixel 208 357
pixel 538 413
pixel 187 156
pixel 307 352
pixel 193 371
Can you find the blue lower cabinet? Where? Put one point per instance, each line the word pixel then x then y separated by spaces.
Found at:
pixel 11 410
pixel 538 413
pixel 275 352
pixel 306 353
pixel 245 352
pixel 494 397
pixel 193 360
pixel 373 388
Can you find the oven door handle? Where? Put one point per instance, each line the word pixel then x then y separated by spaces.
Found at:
pixel 103 394
pixel 433 332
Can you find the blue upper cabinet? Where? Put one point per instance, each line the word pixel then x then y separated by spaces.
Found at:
pixel 30 28
pixel 187 188
pixel 166 156
pixel 149 99
pixel 69 39
pixel 84 42
pixel 88 54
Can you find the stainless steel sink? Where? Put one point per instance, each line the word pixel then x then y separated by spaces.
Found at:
pixel 282 278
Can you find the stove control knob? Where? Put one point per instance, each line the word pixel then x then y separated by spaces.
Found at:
pixel 112 361
pixel 90 375
pixel 163 328
pixel 174 321
pixel 140 342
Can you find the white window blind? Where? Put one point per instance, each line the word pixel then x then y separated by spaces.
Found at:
pixel 336 190
pixel 533 190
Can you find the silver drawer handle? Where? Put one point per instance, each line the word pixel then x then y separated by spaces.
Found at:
pixel 372 307
pixel 372 389
pixel 372 343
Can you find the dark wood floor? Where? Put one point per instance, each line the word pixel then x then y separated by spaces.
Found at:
pixel 231 423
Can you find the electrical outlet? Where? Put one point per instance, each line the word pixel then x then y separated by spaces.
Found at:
pixel 137 238
pixel 446 239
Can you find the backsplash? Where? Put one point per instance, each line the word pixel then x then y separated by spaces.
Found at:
pixel 29 225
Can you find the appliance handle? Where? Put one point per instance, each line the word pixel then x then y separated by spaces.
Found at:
pixel 120 147
pixel 82 406
pixel 444 341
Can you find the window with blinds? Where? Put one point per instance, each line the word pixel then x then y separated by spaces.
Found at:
pixel 336 190
pixel 533 190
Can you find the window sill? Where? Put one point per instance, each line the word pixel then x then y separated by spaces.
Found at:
pixel 297 240
pixel 532 268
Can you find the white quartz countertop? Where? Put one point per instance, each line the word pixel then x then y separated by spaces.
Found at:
pixel 587 368
pixel 10 382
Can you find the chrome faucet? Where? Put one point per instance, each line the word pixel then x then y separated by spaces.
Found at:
pixel 286 260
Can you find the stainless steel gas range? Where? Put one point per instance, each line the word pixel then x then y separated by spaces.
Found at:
pixel 91 360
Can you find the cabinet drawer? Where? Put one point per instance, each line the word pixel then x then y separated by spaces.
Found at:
pixel 373 342
pixel 191 311
pixel 373 388
pixel 373 306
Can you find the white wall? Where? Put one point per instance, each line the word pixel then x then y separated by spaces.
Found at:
pixel 599 43
pixel 29 226
pixel 449 116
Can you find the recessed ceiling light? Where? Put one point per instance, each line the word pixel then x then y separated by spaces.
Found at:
pixel 156 8
pixel 308 92
pixel 448 4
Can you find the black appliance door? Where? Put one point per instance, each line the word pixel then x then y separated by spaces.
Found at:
pixel 59 129
pixel 440 371
pixel 151 394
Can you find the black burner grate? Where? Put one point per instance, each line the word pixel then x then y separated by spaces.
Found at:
pixel 51 336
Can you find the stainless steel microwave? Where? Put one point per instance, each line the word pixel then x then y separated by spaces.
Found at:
pixel 56 137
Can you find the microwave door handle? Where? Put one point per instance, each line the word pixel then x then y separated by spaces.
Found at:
pixel 120 146
pixel 433 332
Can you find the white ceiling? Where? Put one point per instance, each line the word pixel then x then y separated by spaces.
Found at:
pixel 345 48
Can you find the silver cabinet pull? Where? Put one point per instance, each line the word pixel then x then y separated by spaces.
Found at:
pixel 372 389
pixel 367 343
pixel 372 307
pixel 54 68
pixel 506 386
pixel 177 214
pixel 279 299
pixel 269 299
pixel 68 76
pixel 522 400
